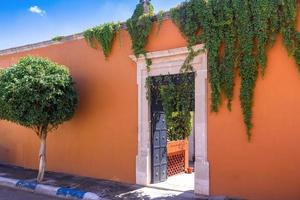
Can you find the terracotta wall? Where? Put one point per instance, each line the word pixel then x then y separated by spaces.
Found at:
pixel 101 141
pixel 268 167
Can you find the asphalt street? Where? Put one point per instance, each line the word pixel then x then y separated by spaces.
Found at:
pixel 12 194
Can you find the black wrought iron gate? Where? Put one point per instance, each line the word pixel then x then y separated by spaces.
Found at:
pixel 159 147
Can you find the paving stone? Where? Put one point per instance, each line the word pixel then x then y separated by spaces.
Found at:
pixel 103 188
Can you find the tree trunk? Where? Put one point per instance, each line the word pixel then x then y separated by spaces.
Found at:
pixel 42 157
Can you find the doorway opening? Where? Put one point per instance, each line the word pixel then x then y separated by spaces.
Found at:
pixel 169 62
pixel 172 100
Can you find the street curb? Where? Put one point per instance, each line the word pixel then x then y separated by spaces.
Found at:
pixel 60 192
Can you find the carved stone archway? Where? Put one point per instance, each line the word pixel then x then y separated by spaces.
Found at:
pixel 163 63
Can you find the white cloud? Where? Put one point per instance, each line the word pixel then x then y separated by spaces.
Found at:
pixel 37 10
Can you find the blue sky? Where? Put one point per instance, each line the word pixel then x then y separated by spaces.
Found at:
pixel 28 21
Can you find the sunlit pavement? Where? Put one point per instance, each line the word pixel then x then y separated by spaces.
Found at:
pixel 108 190
pixel 182 182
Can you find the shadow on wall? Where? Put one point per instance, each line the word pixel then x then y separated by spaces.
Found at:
pixel 4 154
pixel 88 90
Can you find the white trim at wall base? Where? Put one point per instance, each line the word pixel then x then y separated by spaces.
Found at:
pixel 163 63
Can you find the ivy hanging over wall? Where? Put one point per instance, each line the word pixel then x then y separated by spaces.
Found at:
pixel 237 35
pixel 159 18
pixel 139 27
pixel 104 35
pixel 57 38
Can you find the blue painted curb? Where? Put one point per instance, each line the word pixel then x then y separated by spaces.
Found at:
pixel 70 192
pixel 26 185
pixel 62 192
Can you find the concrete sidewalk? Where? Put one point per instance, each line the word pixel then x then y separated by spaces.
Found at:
pixel 14 194
pixel 103 188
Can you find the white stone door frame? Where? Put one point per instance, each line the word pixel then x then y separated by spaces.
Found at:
pixel 163 63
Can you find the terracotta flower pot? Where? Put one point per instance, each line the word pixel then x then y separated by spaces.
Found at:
pixel 177 147
pixel 189 170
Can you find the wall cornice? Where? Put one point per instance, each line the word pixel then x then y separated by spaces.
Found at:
pixel 64 39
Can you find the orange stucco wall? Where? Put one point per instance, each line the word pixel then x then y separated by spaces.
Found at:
pixel 101 141
pixel 268 167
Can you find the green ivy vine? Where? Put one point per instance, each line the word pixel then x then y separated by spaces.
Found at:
pixel 139 27
pixel 104 35
pixel 57 38
pixel 248 65
pixel 89 37
pixel 237 35
pixel 159 18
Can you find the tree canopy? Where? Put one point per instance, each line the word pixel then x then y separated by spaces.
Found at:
pixel 37 92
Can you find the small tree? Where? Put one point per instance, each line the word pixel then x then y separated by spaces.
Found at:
pixel 38 94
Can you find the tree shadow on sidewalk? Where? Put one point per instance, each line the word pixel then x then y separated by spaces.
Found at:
pixel 188 195
pixel 105 189
pixel 145 193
